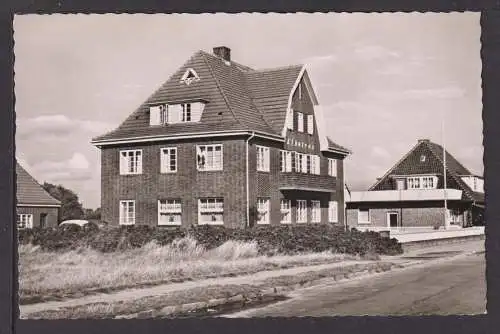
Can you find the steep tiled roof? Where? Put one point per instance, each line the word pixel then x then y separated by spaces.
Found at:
pixel 29 191
pixel 411 164
pixel 238 98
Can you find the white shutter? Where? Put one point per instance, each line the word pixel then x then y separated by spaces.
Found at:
pixel 310 124
pixel 289 120
pixel 154 115
pixel 333 212
pixel 196 111
pixel 304 163
pixel 139 161
pixel 288 163
pixel 300 122
pixel 123 162
pixel 163 160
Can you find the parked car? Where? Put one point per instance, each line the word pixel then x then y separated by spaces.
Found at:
pixel 80 223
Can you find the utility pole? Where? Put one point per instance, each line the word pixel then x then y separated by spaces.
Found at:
pixel 446 220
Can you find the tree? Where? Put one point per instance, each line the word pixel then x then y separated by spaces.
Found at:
pixel 71 208
pixel 93 214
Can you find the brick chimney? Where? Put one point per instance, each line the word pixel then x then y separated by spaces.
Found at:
pixel 423 140
pixel 224 52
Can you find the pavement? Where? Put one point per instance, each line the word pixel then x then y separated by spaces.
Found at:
pixel 452 284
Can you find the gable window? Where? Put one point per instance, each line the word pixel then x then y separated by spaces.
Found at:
pixel 301 211
pixel 127 212
pixel 333 215
pixel 169 212
pixel 310 124
pixel 130 162
pixel 262 158
pixel 189 76
pixel 363 216
pixel 209 157
pixel 263 211
pixel 24 221
pixel 211 211
pixel 285 161
pixel 315 211
pixel 332 167
pixel 285 210
pixel 168 160
pixel 422 182
pixel 300 122
pixel 186 112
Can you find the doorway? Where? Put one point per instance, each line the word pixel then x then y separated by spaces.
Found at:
pixel 43 220
pixel 392 219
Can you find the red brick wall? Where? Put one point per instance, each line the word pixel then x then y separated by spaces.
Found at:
pixel 52 214
pixel 188 184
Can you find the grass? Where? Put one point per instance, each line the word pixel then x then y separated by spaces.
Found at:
pixel 53 275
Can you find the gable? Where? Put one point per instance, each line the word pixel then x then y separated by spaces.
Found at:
pixel 29 191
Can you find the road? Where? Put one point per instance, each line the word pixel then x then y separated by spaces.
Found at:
pixel 454 286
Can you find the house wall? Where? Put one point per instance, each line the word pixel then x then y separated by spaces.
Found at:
pixel 52 214
pixel 187 184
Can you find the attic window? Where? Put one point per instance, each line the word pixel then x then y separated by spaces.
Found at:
pixel 422 158
pixel 189 76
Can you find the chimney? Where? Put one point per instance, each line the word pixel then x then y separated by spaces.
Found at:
pixel 224 52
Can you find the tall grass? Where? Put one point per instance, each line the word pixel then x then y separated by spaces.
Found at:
pixel 43 272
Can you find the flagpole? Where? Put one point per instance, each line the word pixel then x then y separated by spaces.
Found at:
pixel 446 222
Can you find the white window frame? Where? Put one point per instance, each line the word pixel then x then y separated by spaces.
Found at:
pixel 298 162
pixel 24 221
pixel 301 211
pixel 300 121
pixel 213 206
pixel 421 182
pixel 361 221
pixel 286 161
pixel 333 211
pixel 310 124
pixel 127 219
pixel 166 154
pixel 286 211
pixel 170 208
pixel 202 151
pixel 130 167
pixel 262 155
pixel 332 167
pixel 186 111
pixel 304 163
pixel 263 211
pixel 315 211
pixel 315 164
pixel 188 81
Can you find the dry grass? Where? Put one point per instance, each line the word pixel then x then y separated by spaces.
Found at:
pixel 43 274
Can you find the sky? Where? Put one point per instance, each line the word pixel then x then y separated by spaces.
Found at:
pixel 384 81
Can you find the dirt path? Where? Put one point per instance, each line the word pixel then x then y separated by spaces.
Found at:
pixel 136 293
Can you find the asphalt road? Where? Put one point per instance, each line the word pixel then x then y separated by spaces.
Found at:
pixel 455 286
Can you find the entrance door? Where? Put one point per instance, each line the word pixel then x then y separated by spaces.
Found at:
pixel 43 220
pixel 392 217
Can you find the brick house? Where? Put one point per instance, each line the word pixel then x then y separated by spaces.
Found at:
pixel 412 193
pixel 35 207
pixel 220 143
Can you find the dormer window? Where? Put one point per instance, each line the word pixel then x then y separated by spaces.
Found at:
pixel 176 113
pixel 189 76
pixel 422 158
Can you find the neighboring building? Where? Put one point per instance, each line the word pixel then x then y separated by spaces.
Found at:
pixel 223 144
pixel 35 207
pixel 412 194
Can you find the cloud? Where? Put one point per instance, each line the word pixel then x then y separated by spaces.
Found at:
pixel 57 125
pixel 373 52
pixel 76 168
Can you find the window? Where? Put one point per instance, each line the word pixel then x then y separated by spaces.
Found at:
pixel 332 167
pixel 24 221
pixel 211 211
pixel 189 76
pixel 169 212
pixel 422 182
pixel 301 211
pixel 363 216
pixel 300 122
pixel 263 211
pixel 422 158
pixel 168 160
pixel 333 214
pixel 209 157
pixel 304 162
pixel 127 212
pixel 262 158
pixel 310 124
pixel 315 164
pixel 186 112
pixel 308 163
pixel 315 211
pixel 400 184
pixel 285 161
pixel 298 162
pixel 286 214
pixel 131 162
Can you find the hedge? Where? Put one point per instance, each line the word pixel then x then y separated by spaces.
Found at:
pixel 271 239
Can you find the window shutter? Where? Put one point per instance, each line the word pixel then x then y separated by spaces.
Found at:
pixel 154 115
pixel 304 163
pixel 310 124
pixel 288 156
pixel 163 160
pixel 300 121
pixel 123 163
pixel 139 161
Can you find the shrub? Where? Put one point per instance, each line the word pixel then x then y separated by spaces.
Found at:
pixel 227 243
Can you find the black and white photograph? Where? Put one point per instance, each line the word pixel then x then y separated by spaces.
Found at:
pixel 249 165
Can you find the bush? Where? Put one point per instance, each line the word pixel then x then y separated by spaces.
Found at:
pixel 268 240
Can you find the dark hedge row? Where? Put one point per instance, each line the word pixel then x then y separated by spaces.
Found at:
pixel 271 239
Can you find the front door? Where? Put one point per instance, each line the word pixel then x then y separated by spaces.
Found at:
pixel 43 220
pixel 393 219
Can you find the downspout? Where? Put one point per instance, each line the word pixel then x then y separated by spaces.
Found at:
pixel 247 224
